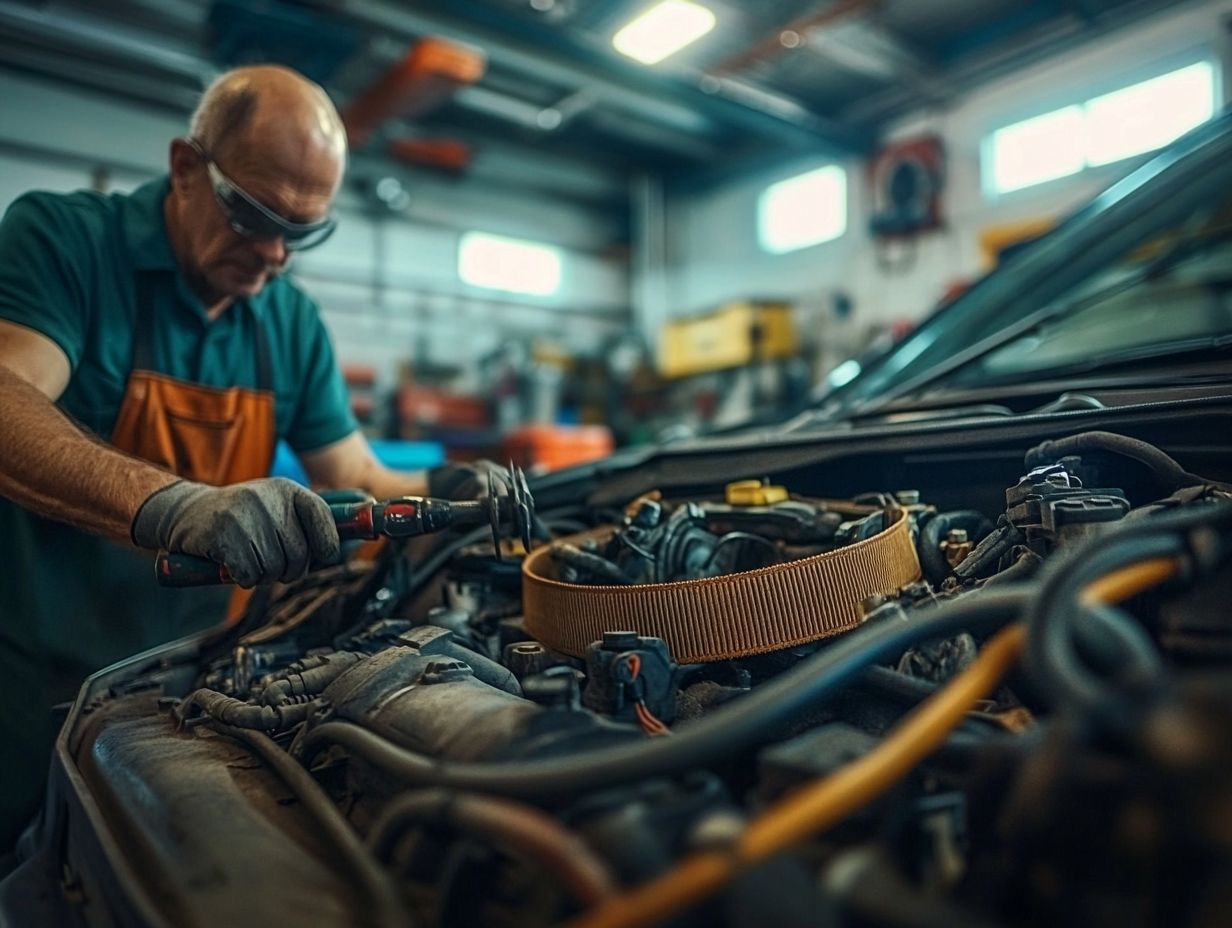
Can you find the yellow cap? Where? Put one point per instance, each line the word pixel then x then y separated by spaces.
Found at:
pixel 754 493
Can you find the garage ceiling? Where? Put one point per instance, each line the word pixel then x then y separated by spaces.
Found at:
pixel 557 108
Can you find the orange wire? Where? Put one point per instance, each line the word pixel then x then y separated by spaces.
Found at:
pixel 649 721
pixel 635 665
pixel 650 724
pixel 821 804
pixel 1130 581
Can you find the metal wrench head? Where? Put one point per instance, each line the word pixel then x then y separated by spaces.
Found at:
pixel 518 503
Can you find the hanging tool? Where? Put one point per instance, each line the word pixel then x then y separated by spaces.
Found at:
pixel 402 517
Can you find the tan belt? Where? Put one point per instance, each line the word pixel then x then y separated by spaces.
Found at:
pixel 720 618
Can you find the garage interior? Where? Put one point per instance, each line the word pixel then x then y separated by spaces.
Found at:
pixel 737 463
pixel 654 300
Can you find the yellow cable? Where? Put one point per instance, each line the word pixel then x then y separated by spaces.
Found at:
pixel 820 805
pixel 1129 581
pixel 816 807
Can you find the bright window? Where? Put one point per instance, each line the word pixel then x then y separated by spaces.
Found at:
pixel 804 210
pixel 1149 115
pixel 1039 149
pixel 663 30
pixel 511 264
pixel 1104 129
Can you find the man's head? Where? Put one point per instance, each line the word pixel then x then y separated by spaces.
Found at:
pixel 264 134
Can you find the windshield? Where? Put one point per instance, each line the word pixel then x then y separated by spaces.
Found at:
pixel 1138 270
pixel 1170 296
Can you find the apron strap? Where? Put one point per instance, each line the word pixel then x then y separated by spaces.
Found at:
pixel 265 370
pixel 143 324
pixel 143 335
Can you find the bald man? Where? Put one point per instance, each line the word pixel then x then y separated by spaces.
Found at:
pixel 151 355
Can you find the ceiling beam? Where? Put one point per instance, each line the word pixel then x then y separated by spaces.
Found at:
pixel 980 66
pixel 528 47
pixel 865 47
pixel 772 45
pixel 93 35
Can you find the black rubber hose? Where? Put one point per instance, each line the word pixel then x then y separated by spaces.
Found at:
pixel 1114 644
pixel 1166 469
pixel 1052 654
pixel 742 723
pixel 589 563
pixel 934 530
pixel 388 906
pixel 515 826
pixel 884 681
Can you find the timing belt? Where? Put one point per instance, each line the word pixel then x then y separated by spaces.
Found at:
pixel 720 618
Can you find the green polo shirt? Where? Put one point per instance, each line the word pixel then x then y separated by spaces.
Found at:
pixel 71 603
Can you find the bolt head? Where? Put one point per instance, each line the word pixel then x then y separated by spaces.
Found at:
pixel 441 671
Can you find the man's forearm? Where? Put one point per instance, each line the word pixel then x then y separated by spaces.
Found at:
pixel 53 468
pixel 383 483
pixel 350 464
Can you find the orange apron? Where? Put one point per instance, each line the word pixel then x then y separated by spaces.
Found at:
pixel 208 434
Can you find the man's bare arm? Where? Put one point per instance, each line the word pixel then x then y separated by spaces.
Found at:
pixel 350 463
pixel 48 464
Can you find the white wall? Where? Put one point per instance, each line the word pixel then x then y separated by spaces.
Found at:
pixel 713 254
pixel 387 284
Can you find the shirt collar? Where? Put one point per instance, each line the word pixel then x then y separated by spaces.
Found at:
pixel 145 227
pixel 145 233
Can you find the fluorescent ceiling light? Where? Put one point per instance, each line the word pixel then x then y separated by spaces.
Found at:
pixel 511 264
pixel 663 30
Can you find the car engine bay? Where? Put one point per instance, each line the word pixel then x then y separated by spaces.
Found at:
pixel 763 702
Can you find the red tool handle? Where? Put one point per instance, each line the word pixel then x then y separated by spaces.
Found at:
pixel 176 570
pixel 395 518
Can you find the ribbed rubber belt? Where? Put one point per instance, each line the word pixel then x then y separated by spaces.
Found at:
pixel 725 617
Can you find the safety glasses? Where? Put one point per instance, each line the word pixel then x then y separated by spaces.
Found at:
pixel 251 218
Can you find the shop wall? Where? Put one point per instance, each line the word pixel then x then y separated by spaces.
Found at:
pixel 712 251
pixel 387 283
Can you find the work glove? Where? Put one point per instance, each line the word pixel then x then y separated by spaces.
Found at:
pixel 466 481
pixel 261 531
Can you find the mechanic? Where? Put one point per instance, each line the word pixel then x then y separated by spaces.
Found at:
pixel 151 355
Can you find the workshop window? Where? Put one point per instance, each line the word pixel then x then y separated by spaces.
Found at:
pixel 1149 115
pixel 514 265
pixel 1131 121
pixel 808 209
pixel 1035 150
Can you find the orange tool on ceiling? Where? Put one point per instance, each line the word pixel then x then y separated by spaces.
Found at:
pixel 424 79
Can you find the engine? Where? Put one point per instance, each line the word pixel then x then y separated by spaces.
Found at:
pixel 755 705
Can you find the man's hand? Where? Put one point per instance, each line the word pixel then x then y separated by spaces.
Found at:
pixel 466 481
pixel 261 531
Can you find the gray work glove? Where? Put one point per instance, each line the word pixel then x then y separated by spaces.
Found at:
pixel 261 530
pixel 466 481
